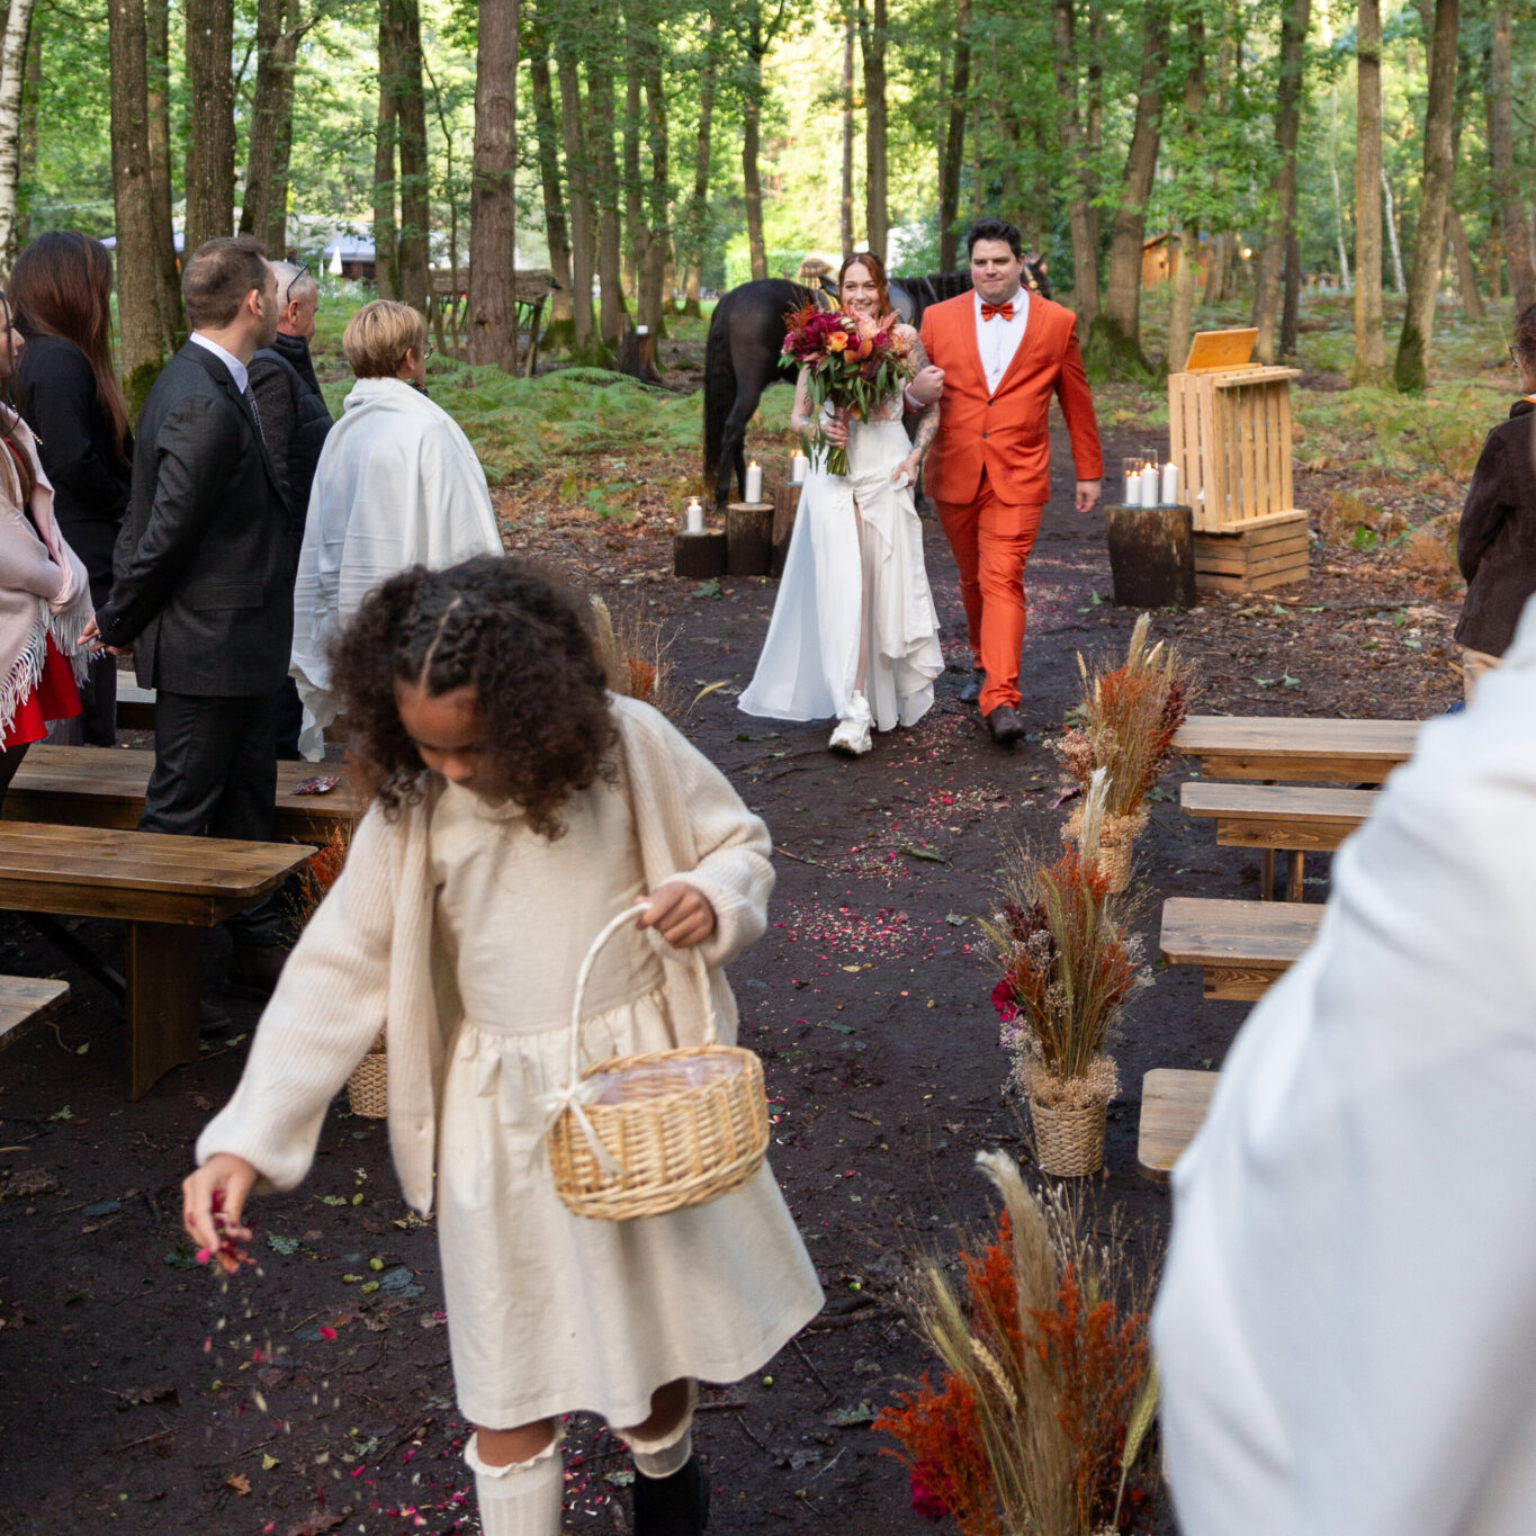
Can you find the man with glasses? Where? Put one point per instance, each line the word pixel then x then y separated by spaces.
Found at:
pixel 294 421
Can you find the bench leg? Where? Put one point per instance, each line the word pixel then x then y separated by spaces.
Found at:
pixel 165 988
pixel 1267 875
pixel 1296 877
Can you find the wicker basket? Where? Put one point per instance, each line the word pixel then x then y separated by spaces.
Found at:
pixel 368 1087
pixel 1117 845
pixel 1069 1143
pixel 643 1135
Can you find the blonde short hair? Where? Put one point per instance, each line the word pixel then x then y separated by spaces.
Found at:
pixel 379 335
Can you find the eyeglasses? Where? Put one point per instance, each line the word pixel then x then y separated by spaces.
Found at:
pixel 288 292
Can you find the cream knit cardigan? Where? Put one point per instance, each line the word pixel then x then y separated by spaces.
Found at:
pixel 370 957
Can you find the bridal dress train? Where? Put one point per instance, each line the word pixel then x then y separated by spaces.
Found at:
pixel 854 583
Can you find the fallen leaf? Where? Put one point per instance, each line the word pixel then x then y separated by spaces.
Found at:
pixel 133 1397
pixel 239 1482
pixel 268 1462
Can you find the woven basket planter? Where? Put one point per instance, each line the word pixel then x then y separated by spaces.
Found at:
pixel 1117 845
pixel 643 1135
pixel 1069 1143
pixel 368 1087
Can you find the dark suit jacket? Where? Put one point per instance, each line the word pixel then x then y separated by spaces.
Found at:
pixel 74 441
pixel 294 423
pixel 1496 539
pixel 203 586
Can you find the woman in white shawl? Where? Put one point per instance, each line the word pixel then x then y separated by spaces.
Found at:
pixel 45 596
pixel 397 485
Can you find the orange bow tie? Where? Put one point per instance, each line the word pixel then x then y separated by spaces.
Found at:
pixel 1005 310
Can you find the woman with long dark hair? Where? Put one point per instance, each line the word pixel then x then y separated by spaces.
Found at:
pixel 61 293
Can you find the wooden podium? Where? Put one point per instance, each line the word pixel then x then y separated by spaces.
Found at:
pixel 1229 431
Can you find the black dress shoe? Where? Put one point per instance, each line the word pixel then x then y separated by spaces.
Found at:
pixel 256 966
pixel 1005 725
pixel 971 693
pixel 672 1506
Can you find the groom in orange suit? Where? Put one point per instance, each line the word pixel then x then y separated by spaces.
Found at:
pixel 997 356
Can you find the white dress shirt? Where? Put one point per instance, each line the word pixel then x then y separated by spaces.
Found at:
pixel 998 339
pixel 237 369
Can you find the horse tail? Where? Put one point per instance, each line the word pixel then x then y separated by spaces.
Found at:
pixel 719 388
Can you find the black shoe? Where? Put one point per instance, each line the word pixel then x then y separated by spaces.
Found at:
pixel 1005 725
pixel 256 966
pixel 971 693
pixel 211 1019
pixel 672 1506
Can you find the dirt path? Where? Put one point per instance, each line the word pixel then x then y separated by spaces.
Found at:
pixel 136 1391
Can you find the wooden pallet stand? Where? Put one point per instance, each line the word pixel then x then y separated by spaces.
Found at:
pixel 1264 552
pixel 1229 430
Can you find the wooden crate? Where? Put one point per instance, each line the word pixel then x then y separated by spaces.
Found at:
pixel 1265 552
pixel 1229 431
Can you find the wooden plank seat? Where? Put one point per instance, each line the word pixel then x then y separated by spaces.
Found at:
pixel 1243 947
pixel 1297 750
pixel 163 889
pixel 103 787
pixel 1173 1106
pixel 24 999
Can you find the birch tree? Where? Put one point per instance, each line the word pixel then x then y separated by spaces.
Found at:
pixel 13 71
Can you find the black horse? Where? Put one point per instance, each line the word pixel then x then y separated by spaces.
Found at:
pixel 746 340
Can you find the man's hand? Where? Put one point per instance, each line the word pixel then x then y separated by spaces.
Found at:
pixel 927 386
pixel 680 914
pixel 1088 493
pixel 90 638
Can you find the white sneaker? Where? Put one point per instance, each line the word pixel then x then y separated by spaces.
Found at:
pixel 852 736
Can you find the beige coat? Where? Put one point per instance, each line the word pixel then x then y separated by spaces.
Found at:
pixel 368 958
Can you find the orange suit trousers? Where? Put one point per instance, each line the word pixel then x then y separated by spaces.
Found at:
pixel 991 541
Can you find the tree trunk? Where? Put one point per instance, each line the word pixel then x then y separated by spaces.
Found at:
pixel 873 28
pixel 1290 310
pixel 579 176
pixel 1338 191
pixel 386 239
pixel 1181 320
pixel 31 90
pixel 1085 255
pixel 492 200
pixel 610 277
pixel 274 235
pixel 210 121
pixel 173 323
pixel 1267 283
pixel 751 131
pixel 411 119
pixel 13 74
pixel 1117 330
pixel 637 234
pixel 547 131
pixel 1411 371
pixel 653 269
pixel 1399 282
pixel 845 218
pixel 1466 268
pixel 1507 200
pixel 1093 141
pixel 138 313
pixel 1370 365
pixel 263 204
pixel 698 204
pixel 954 140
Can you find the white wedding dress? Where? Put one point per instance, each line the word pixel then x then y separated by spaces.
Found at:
pixel 855 562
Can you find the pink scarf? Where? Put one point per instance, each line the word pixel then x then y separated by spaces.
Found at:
pixel 33 558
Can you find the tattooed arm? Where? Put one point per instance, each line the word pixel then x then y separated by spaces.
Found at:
pixel 927 425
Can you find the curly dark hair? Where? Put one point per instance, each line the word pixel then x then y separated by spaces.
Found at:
pixel 505 629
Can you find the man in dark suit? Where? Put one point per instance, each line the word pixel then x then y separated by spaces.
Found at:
pixel 203 579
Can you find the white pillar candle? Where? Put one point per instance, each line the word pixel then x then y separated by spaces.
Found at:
pixel 695 516
pixel 1133 488
pixel 1170 485
pixel 754 481
pixel 797 467
pixel 1149 487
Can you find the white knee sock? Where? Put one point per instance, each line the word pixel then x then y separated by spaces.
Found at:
pixel 521 1498
pixel 661 1458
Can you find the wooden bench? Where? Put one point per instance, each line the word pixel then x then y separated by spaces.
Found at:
pixel 164 890
pixel 1243 947
pixel 104 787
pixel 135 706
pixel 1173 1106
pixel 1298 819
pixel 25 998
pixel 1297 750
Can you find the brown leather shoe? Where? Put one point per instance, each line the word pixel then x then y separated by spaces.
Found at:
pixel 256 966
pixel 1005 725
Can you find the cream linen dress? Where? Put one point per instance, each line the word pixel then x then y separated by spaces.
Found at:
pixel 550 1312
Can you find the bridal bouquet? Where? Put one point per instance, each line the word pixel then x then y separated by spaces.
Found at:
pixel 852 363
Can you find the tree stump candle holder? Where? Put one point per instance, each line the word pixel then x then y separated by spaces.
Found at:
pixel 699 556
pixel 749 538
pixel 1152 556
pixel 786 503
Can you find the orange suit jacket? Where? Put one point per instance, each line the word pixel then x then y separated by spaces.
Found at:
pixel 1007 434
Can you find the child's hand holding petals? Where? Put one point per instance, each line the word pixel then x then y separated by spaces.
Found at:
pixel 680 914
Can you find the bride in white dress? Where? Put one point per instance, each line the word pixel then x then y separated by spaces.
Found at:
pixel 854 633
